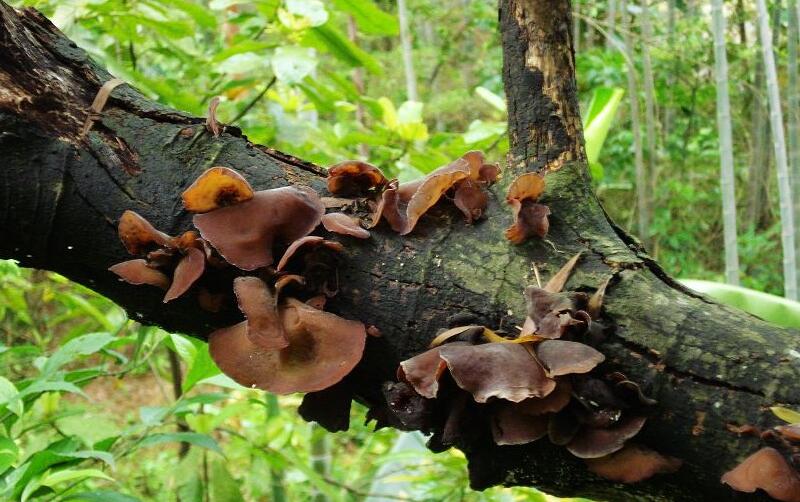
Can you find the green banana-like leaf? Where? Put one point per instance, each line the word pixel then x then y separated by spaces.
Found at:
pixel 598 119
pixel 769 307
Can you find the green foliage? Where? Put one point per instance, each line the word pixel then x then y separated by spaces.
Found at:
pixel 87 416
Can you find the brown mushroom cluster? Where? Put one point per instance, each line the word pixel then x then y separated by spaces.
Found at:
pixel 286 342
pixel 401 205
pixel 545 382
pixel 768 469
pixel 530 217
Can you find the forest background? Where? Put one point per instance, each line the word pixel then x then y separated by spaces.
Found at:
pixel 95 406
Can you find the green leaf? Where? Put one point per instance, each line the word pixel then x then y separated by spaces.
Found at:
pixel 200 14
pixel 293 64
pixel 223 485
pixel 101 496
pixel 54 478
pixel 201 367
pixel 769 307
pixel 787 415
pixel 480 130
pixel 497 102
pixel 39 386
pixel 388 113
pixel 9 397
pixel 201 440
pixel 599 117
pixel 80 346
pixel 8 453
pixel 326 37
pixel 369 17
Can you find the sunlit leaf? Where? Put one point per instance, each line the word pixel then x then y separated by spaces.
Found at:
pixel 292 64
pixel 369 17
pixel 786 414
pixel 201 440
pixel 327 37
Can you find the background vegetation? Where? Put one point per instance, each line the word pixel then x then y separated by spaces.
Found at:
pixel 97 407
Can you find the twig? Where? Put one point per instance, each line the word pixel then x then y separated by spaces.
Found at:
pixel 99 103
pixel 244 111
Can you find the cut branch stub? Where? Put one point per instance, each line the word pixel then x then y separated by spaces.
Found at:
pixel 244 234
pixel 215 188
pixel 322 349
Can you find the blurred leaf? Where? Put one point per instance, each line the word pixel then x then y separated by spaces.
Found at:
pixel 54 478
pixel 326 37
pixel 101 496
pixel 201 440
pixel 80 346
pixel 223 485
pixel 599 118
pixel 479 131
pixel 369 17
pixel 9 397
pixel 787 415
pixel 293 64
pixel 497 102
pixel 8 453
pixel 199 13
pixel 200 368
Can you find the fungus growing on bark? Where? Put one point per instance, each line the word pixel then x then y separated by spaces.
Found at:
pixel 632 464
pixel 138 235
pixel 245 233
pixel 562 357
pixel 353 177
pixel 257 303
pixel 530 218
pixel 307 241
pixel 403 205
pixel 137 272
pixel 322 349
pixel 509 427
pixel 767 470
pixel 591 442
pixel 215 188
pixel 189 269
pixel 423 372
pixel 503 370
pixel 329 407
pixel 341 223
pixel 790 432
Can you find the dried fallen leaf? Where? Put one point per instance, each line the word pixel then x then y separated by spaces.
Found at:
pixel 557 282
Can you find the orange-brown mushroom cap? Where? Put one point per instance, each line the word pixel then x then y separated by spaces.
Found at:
pixel 527 421
pixel 323 348
pixel 502 370
pixel 245 233
pixel 340 223
pixel 423 372
pixel 767 470
pixel 257 303
pixel 137 272
pixel 138 235
pixel 632 464
pixel 530 219
pixel 353 177
pixel 215 188
pixel 471 200
pixel 189 269
pixel 526 186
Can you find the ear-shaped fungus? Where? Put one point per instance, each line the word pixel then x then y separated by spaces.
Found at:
pixel 322 349
pixel 551 314
pixel 632 464
pixel 503 370
pixel 561 357
pixel 353 177
pixel 528 420
pixel 264 325
pixel 215 188
pixel 767 470
pixel 137 272
pixel 530 218
pixel 245 233
pixel 329 407
pixel 189 269
pixel 593 442
pixel 340 223
pixel 138 235
pixel 423 372
pixel 309 240
pixel 471 200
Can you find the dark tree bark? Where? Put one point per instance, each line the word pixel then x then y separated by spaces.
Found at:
pixel 61 194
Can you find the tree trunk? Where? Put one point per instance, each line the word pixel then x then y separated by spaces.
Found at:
pixel 61 194
pixel 781 164
pixel 760 156
pixel 408 55
pixel 649 116
pixel 793 113
pixel 727 191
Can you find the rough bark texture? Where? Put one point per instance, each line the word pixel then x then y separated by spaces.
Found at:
pixel 61 194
